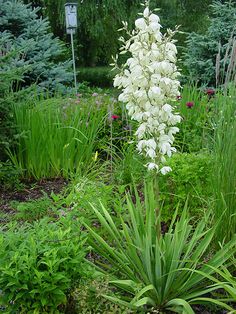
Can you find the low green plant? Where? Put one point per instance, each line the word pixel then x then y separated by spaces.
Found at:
pixel 89 298
pixel 35 209
pixel 59 136
pixel 40 266
pixel 169 271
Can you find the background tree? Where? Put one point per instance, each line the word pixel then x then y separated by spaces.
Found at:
pixel 97 37
pixel 202 49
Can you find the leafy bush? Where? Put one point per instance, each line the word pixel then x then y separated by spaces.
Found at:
pixel 202 50
pixel 96 76
pixel 190 179
pixel 169 271
pixel 40 265
pixel 58 136
pixel 28 34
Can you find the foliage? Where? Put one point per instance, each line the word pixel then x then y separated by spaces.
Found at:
pixel 90 298
pixel 40 264
pixel 10 77
pixel 96 76
pixel 169 271
pixel 128 166
pixel 97 39
pixel 191 178
pixel 86 191
pixel 9 176
pixel 35 209
pixel 37 48
pixel 196 108
pixel 202 49
pixel 58 136
pixel 224 172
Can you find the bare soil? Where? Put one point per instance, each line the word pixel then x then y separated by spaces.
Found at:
pixel 31 191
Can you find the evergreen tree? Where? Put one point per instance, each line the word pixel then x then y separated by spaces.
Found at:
pixel 39 50
pixel 202 49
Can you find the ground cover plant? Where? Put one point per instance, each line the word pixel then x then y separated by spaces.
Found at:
pixel 117 201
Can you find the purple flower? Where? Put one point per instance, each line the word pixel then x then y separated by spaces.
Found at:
pixel 190 104
pixel 95 94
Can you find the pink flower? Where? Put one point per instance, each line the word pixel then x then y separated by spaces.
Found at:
pixel 210 92
pixel 190 104
pixel 95 94
pixel 79 95
pixel 179 97
pixel 115 117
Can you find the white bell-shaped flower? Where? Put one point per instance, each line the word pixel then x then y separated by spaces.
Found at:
pixel 149 84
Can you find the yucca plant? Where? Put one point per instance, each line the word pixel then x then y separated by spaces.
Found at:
pixel 170 271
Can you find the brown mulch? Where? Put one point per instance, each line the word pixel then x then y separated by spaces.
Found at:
pixel 31 191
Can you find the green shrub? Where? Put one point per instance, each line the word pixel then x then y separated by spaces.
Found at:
pixel 169 271
pixel 41 265
pixel 190 179
pixel 97 76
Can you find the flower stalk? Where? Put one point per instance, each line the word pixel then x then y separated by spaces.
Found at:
pixel 149 84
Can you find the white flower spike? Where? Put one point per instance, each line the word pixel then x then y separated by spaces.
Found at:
pixel 149 87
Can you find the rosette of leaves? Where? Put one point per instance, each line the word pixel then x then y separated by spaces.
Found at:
pixel 172 270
